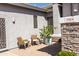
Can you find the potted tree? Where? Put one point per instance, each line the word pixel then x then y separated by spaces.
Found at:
pixel 45 34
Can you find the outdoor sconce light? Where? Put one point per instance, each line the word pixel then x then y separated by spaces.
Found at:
pixel 75 10
pixel 13 21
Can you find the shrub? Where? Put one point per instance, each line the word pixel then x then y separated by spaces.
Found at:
pixel 45 32
pixel 66 53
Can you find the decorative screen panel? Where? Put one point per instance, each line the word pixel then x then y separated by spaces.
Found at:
pixel 2 34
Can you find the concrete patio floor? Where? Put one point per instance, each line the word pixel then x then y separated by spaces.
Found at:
pixel 36 50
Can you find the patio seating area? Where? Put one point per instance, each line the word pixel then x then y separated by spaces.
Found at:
pixel 36 50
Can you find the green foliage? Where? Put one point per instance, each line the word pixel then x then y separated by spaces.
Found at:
pixel 66 53
pixel 46 31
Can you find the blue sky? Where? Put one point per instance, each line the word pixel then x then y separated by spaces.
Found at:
pixel 39 4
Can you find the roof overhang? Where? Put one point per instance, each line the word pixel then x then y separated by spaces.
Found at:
pixel 28 6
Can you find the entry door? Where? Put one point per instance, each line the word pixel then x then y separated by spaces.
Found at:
pixel 2 34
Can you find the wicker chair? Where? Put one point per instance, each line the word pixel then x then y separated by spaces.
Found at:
pixel 34 39
pixel 22 42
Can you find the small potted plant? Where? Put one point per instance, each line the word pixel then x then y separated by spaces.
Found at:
pixel 45 34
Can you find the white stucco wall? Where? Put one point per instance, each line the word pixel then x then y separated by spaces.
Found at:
pixel 23 26
pixel 69 19
pixel 56 17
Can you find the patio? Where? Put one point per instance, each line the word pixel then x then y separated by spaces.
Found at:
pixel 36 50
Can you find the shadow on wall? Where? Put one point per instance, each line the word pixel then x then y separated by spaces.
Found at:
pixel 52 49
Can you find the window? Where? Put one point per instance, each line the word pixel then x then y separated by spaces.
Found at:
pixel 35 21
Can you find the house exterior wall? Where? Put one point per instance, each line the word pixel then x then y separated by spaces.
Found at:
pixel 23 24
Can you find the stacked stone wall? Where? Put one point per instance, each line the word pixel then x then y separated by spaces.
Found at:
pixel 70 37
